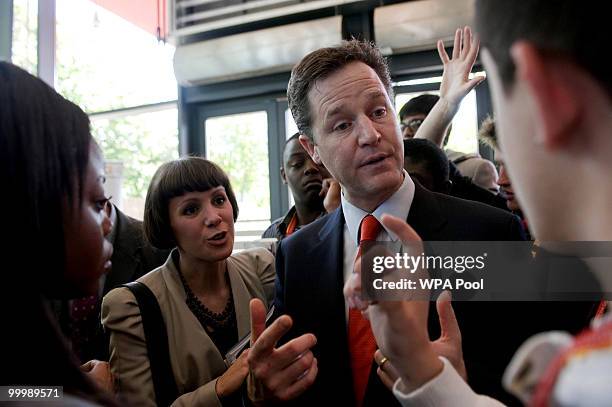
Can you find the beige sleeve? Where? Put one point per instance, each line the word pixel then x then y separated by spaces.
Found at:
pixel 128 355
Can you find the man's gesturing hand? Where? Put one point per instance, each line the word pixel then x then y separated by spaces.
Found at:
pixel 281 373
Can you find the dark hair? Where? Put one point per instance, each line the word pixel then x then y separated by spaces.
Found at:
pixel 176 178
pixel 487 133
pixel 44 153
pixel 566 27
pixel 323 62
pixel 423 151
pixel 289 140
pixel 418 105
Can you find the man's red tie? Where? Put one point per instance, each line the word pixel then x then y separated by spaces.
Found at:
pixel 362 344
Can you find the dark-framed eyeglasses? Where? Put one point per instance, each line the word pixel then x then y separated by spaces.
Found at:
pixel 413 124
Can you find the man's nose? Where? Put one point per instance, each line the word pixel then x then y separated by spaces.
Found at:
pixel 310 168
pixel 407 133
pixel 368 133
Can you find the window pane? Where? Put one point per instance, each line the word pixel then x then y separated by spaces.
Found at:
pixel 105 62
pixel 140 144
pixel 464 132
pixel 25 41
pixel 290 126
pixel 239 144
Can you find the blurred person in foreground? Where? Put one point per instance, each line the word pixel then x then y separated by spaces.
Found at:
pixel 56 224
pixel 553 102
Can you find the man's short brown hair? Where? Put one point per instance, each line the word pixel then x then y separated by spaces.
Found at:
pixel 176 178
pixel 323 62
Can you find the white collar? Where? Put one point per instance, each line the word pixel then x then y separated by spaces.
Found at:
pixel 397 205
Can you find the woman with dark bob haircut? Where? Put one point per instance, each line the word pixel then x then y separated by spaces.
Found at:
pixel 203 290
pixel 54 227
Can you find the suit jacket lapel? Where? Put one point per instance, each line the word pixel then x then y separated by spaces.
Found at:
pixel 128 241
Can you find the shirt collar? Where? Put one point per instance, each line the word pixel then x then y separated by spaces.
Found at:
pixel 397 205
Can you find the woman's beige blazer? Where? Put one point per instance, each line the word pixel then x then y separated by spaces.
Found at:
pixel 196 362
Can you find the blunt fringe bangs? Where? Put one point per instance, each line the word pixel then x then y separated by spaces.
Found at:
pixel 176 178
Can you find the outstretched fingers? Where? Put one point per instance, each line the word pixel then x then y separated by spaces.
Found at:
pixel 457 43
pixel 267 340
pixel 442 52
pixel 301 383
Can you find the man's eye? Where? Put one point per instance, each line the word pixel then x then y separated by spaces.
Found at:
pixel 342 126
pixel 297 164
pixel 380 113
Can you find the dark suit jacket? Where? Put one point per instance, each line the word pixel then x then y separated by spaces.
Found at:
pixel 133 256
pixel 309 286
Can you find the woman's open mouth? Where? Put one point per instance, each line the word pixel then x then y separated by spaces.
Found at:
pixel 217 239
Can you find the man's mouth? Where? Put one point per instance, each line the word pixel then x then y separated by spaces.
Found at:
pixel 374 159
pixel 313 183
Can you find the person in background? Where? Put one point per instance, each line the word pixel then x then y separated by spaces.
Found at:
pixel 488 135
pixel 305 181
pixel 203 290
pixel 56 226
pixel 414 112
pixel 479 171
pixel 427 163
pixel 437 130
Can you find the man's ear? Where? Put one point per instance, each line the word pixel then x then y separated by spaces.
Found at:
pixel 283 175
pixel 546 79
pixel 310 147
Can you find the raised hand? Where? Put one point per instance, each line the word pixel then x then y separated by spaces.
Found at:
pixel 455 79
pixel 454 87
pixel 283 373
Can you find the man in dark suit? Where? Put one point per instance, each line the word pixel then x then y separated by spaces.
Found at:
pixel 341 99
pixel 133 256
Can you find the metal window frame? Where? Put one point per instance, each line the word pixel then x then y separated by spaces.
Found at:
pixel 276 137
pixel 46 41
pixel 6 30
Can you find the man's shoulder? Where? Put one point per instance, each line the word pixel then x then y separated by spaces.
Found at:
pixel 465 207
pixel 477 220
pixel 310 234
pixel 272 230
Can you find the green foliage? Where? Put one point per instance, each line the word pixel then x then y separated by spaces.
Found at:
pixel 239 144
pixel 142 142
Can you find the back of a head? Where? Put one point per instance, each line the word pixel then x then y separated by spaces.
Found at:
pixel 421 104
pixel 44 150
pixel 568 28
pixel 323 62
pixel 430 157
